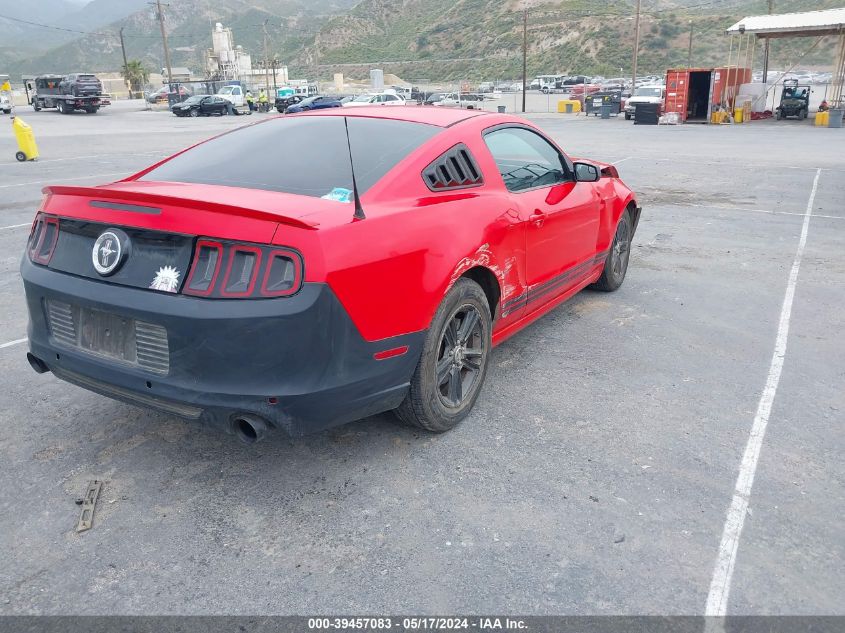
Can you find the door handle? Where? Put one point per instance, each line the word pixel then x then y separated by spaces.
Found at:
pixel 538 217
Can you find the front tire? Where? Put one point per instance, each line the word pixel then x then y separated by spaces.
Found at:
pixel 195 113
pixel 616 264
pixel 453 363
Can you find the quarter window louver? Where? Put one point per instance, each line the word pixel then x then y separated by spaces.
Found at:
pixel 455 169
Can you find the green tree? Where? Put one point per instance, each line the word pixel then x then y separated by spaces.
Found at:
pixel 136 74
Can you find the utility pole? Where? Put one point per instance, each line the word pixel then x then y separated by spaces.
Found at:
pixel 524 56
pixel 125 63
pixel 636 46
pixel 766 48
pixel 689 53
pixel 160 15
pixel 267 61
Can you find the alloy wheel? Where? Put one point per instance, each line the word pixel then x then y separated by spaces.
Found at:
pixel 621 249
pixel 460 357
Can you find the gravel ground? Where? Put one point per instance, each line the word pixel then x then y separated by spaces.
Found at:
pixel 593 477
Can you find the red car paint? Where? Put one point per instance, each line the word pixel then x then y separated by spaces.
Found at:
pixel 391 270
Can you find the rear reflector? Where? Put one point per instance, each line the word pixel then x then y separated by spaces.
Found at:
pixel 390 353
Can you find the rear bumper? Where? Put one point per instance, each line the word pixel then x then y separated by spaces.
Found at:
pixel 298 362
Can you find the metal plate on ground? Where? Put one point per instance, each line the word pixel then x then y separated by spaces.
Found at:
pixel 89 502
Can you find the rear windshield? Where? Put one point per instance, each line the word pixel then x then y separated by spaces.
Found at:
pixel 300 155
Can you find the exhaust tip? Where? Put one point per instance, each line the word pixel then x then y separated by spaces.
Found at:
pixel 249 429
pixel 37 364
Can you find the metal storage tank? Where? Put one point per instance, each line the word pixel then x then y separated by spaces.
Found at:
pixel 377 79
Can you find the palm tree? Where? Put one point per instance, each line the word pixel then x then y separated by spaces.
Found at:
pixel 135 73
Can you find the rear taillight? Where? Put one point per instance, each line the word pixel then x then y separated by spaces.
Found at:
pixel 229 270
pixel 43 238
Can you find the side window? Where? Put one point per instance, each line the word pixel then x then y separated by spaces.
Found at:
pixel 525 159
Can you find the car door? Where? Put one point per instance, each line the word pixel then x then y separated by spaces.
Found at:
pixel 562 215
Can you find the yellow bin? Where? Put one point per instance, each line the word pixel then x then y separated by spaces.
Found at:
pixel 738 114
pixel 822 118
pixel 27 149
pixel 568 106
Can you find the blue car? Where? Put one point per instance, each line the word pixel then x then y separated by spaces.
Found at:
pixel 313 103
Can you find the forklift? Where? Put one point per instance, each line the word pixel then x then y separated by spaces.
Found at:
pixel 794 100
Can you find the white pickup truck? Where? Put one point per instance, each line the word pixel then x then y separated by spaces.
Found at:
pixel 644 94
pixel 237 96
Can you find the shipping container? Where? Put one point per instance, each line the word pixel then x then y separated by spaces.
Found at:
pixel 695 93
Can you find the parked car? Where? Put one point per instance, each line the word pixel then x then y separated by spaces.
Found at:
pixel 317 102
pixel 644 94
pixel 251 301
pixel 202 105
pixel 582 90
pixel 381 98
pixel 5 104
pixel 455 100
pixel 81 85
pixel 575 80
pixel 162 94
pixel 282 103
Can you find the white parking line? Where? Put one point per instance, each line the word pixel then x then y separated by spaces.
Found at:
pixel 58 181
pixel 14 226
pixel 744 210
pixel 10 343
pixel 621 160
pixel 720 586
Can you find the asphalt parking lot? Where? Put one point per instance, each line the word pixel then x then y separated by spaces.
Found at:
pixel 593 477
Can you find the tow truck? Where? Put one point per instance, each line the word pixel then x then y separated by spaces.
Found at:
pixel 66 93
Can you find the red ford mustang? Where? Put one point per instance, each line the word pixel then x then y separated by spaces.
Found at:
pixel 310 270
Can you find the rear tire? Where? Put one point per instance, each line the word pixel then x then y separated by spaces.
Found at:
pixel 453 363
pixel 20 156
pixel 616 264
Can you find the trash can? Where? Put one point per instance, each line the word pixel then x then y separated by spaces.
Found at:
pixel 605 110
pixel 835 117
pixel 822 119
pixel 646 113
pixel 27 149
pixel 501 109
pixel 738 112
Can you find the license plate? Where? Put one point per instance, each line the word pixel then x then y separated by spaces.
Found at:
pixel 107 334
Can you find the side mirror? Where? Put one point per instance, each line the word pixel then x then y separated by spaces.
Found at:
pixel 584 172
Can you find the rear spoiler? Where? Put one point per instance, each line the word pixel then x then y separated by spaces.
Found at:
pixel 151 199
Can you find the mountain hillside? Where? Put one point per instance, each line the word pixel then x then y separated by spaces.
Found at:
pixel 419 40
pixel 291 25
pixel 482 39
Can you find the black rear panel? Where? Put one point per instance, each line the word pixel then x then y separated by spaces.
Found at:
pixel 151 252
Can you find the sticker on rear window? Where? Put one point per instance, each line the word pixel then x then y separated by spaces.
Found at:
pixel 339 194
